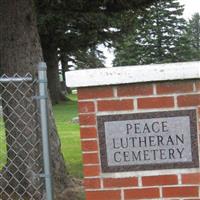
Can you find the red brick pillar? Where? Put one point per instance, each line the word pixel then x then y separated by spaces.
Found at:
pixel 178 93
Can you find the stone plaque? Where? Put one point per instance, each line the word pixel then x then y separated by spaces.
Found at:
pixel 148 141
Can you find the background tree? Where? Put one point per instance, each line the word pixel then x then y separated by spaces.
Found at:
pixel 92 58
pixel 72 30
pixel 157 36
pixel 193 33
pixel 72 27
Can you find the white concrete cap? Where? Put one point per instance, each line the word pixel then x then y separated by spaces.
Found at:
pixel 133 74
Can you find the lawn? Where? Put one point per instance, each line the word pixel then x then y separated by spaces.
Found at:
pixel 2 144
pixel 69 135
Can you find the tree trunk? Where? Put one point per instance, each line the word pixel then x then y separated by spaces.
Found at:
pixel 20 52
pixel 65 67
pixel 51 58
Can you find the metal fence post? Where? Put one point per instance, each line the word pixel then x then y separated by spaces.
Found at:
pixel 44 128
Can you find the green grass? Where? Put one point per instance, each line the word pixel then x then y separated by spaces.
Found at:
pixel 69 135
pixel 2 144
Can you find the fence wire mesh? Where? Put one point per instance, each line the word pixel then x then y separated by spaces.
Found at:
pixel 21 160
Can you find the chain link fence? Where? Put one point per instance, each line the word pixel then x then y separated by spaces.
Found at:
pixel 22 170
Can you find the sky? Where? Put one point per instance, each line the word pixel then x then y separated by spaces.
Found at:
pixel 191 6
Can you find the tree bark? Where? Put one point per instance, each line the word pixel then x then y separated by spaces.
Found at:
pixel 20 52
pixel 51 58
pixel 65 67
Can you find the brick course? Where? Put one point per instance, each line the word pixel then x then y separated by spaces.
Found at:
pixel 188 100
pixel 174 87
pixel 120 182
pixel 103 195
pixel 144 193
pixel 86 107
pixel 89 132
pixel 89 145
pixel 90 158
pixel 155 102
pixel 89 171
pixel 134 90
pixel 92 183
pixel 94 92
pixel 87 119
pixel 191 178
pixel 115 105
pixel 191 191
pixel 160 180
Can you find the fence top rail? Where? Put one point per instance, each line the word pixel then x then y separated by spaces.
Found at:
pixel 16 78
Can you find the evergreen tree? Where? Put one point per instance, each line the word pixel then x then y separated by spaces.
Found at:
pixel 69 27
pixel 193 33
pixel 157 37
pixel 92 58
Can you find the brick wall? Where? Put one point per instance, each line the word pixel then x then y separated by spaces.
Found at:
pixel 135 98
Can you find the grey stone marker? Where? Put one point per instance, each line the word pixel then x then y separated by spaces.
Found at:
pixel 148 141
